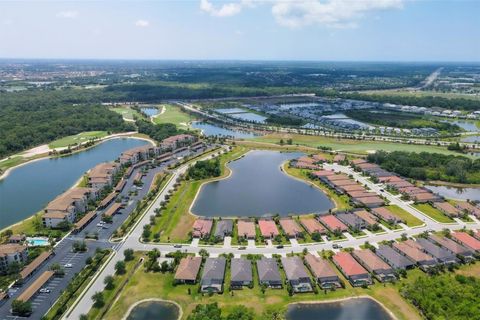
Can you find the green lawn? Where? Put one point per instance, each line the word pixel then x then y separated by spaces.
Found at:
pixel 77 139
pixel 404 93
pixel 11 162
pixel 433 212
pixel 174 114
pixel 410 220
pixel 349 145
pixel 127 113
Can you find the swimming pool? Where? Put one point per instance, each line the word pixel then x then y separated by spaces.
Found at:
pixel 37 242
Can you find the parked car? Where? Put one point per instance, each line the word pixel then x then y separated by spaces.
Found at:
pixel 280 246
pixel 177 246
pixel 242 248
pixel 68 265
pixel 44 290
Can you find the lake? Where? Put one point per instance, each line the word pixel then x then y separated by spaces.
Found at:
pixel 154 310
pixel 465 125
pixel 28 188
pixel 150 111
pixel 456 193
pixel 257 187
pixel 471 139
pixel 352 309
pixel 209 129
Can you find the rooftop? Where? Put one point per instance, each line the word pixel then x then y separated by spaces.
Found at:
pixel 348 264
pixel 320 267
pixel 188 268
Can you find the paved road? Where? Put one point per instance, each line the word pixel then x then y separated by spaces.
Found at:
pixel 133 239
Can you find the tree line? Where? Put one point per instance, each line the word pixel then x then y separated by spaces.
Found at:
pixel 429 166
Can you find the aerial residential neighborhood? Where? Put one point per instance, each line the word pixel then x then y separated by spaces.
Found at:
pixel 238 159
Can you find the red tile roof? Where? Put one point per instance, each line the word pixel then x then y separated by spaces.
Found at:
pixel 332 223
pixel 348 264
pixel 290 227
pixel 268 228
pixel 467 240
pixel 246 229
pixel 312 225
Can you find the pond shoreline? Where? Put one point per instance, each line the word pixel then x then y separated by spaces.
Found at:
pixel 129 135
pixel 130 309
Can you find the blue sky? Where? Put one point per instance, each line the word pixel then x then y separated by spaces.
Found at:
pixel 393 30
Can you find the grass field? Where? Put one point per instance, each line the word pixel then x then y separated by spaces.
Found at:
pixel 173 114
pixel 127 113
pixel 77 139
pixel 341 201
pixel 176 220
pixel 156 285
pixel 348 145
pixel 410 220
pixel 11 162
pixel 433 212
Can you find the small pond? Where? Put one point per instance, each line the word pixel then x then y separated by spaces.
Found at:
pixel 456 193
pixel 258 187
pixel 149 310
pixel 353 309
pixel 471 139
pixel 209 129
pixel 150 111
pixel 465 125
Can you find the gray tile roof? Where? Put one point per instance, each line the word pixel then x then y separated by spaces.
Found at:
pixel 393 258
pixel 437 252
pixel 268 270
pixel 224 227
pixel 294 268
pixel 214 270
pixel 241 270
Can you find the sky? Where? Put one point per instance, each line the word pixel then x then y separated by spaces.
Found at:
pixel 352 30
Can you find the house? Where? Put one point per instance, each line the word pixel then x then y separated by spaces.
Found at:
pixel 386 215
pixel 453 247
pixel 442 255
pixel 356 162
pixel 10 253
pixel 369 202
pixel 312 225
pixel 375 265
pixel 187 270
pixel 102 175
pixel 268 273
pixel 351 220
pixel 241 273
pixel 369 219
pixel 466 240
pixel 447 209
pixel 333 224
pixel 291 228
pixel 319 158
pixel 467 207
pixel 394 258
pixel 246 229
pixel 424 197
pixel 213 275
pixel 422 259
pixel 223 228
pixel 353 188
pixel 351 269
pixel 16 238
pixel 324 274
pixel 202 228
pixel 296 274
pixel 268 228
pixel 339 158
pixel 322 174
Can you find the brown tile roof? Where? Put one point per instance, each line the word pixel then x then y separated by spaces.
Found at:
pixel 246 228
pixel 202 227
pixel 32 266
pixel 290 227
pixel 332 223
pixel 188 268
pixel 447 208
pixel 353 187
pixel 85 219
pixel 55 215
pixel 11 248
pixel 319 267
pixel 371 260
pixel 412 252
pixel 323 173
pixel 366 216
pixel 312 225
pixel 370 200
pixel 35 286
pixel 336 177
pixel 358 161
pixel 339 157
pixel 268 228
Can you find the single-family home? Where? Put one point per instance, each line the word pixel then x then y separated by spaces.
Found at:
pixel 296 274
pixel 375 265
pixel 351 269
pixel 324 274
pixel 187 270
pixel 213 275
pixel 241 273
pixel 268 273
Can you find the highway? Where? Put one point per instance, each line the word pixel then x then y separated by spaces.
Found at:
pixel 133 241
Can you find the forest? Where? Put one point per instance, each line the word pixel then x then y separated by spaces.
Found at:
pixel 28 120
pixel 157 132
pixel 204 169
pixel 429 166
pixel 445 296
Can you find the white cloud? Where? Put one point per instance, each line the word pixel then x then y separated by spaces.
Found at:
pixel 226 9
pixel 67 14
pixel 299 13
pixel 332 13
pixel 142 23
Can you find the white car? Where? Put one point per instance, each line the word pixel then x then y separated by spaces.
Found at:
pixel 44 290
pixel 99 224
pixel 68 265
